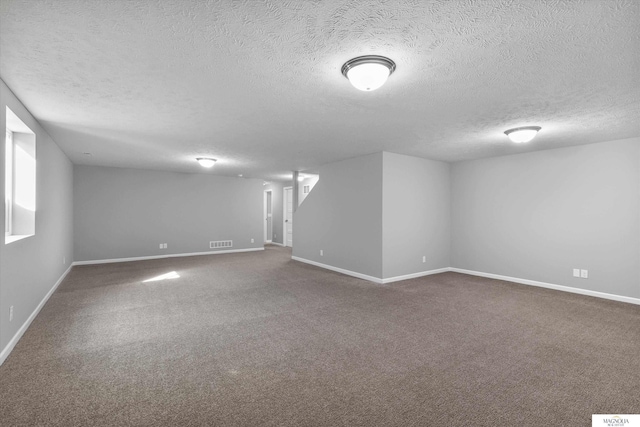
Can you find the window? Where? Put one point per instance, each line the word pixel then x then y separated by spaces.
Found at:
pixel 8 182
pixel 20 180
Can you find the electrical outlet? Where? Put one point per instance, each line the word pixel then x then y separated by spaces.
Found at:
pixel 584 274
pixel 252 240
pixel 161 246
pixel 424 258
pixel 64 260
pixel 321 252
pixel 576 272
pixel 10 313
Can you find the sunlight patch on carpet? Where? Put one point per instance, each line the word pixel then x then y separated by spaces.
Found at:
pixel 171 275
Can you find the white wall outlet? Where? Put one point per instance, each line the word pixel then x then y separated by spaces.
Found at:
pixel 161 245
pixel 584 274
pixel 165 246
pixel 10 313
pixel 576 272
pixel 252 240
pixel 424 258
pixel 321 252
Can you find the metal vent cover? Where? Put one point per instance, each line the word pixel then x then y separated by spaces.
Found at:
pixel 221 244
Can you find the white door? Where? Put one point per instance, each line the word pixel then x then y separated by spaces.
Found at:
pixel 268 217
pixel 288 216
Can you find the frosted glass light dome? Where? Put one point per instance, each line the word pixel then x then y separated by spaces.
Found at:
pixel 368 77
pixel 206 162
pixel 523 134
pixel 368 73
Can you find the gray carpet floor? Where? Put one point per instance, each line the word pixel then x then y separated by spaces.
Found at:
pixel 254 339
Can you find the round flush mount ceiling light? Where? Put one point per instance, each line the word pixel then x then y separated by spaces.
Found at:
pixel 206 162
pixel 522 134
pixel 369 72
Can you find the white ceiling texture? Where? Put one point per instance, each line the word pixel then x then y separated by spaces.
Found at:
pixel 153 84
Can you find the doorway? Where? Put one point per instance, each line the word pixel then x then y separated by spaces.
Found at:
pixel 268 216
pixel 288 216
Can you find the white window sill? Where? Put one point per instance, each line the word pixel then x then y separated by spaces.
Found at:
pixel 15 237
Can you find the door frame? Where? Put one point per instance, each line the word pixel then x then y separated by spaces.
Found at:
pixel 284 213
pixel 265 211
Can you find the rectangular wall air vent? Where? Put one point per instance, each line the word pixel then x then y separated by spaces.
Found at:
pixel 221 244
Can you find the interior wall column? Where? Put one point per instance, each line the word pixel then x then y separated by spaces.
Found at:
pixel 295 190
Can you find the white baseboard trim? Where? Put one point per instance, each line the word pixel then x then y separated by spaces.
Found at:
pixel 143 258
pixel 277 244
pixel 415 275
pixel 562 288
pixel 372 278
pixel 339 270
pixel 12 343
pixel 550 286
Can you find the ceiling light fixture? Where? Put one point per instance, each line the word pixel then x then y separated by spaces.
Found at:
pixel 206 162
pixel 523 134
pixel 369 72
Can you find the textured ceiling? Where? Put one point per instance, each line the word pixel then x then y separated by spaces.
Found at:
pixel 257 84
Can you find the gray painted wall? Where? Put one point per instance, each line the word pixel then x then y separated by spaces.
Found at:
pixel 539 215
pixel 416 215
pixel 343 217
pixel 123 213
pixel 29 268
